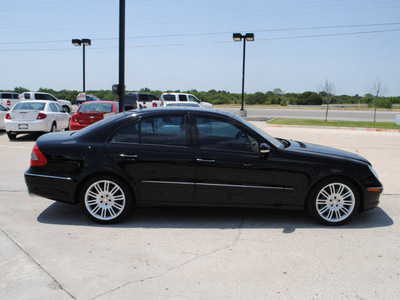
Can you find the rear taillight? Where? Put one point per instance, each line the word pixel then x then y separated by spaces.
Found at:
pixel 37 157
pixel 8 103
pixel 41 116
pixel 155 104
pixel 8 116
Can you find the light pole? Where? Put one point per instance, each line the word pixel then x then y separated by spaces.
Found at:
pixel 82 42
pixel 237 37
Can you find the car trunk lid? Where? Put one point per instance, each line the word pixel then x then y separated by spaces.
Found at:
pixel 24 115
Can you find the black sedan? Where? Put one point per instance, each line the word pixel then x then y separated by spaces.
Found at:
pixel 196 157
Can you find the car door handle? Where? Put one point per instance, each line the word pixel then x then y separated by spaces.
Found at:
pixel 128 156
pixel 205 160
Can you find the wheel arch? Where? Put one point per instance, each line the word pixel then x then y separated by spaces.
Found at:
pixel 339 175
pixel 133 190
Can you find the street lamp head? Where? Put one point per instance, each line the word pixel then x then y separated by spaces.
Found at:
pixel 249 37
pixel 76 42
pixel 237 37
pixel 86 42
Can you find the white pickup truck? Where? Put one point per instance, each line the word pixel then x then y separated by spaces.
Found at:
pixel 167 98
pixel 46 96
pixel 8 99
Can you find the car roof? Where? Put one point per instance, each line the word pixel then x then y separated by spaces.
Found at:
pixel 38 101
pixel 180 109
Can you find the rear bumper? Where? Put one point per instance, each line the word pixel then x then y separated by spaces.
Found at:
pixel 33 126
pixel 53 187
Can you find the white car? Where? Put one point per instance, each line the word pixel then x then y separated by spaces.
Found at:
pixel 167 98
pixel 3 112
pixel 35 116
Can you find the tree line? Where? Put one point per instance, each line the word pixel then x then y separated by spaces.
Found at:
pixel 275 97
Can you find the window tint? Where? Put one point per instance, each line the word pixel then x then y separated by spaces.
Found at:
pixel 130 97
pixel 27 96
pixel 128 134
pixel 50 97
pixel 152 97
pixel 222 135
pixel 143 98
pixel 165 130
pixel 182 98
pixel 40 97
pixel 5 96
pixel 169 97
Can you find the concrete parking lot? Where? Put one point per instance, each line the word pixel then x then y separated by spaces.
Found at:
pixel 52 251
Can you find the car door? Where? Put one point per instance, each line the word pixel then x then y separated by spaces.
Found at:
pixel 62 117
pixel 229 166
pixel 153 152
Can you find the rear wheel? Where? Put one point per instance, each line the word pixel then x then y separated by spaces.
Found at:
pixel 11 136
pixel 53 127
pixel 334 201
pixel 106 199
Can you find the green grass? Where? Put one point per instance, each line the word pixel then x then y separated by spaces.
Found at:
pixel 301 122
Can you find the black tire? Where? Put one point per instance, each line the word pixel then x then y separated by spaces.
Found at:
pixel 11 136
pixel 106 199
pixel 66 108
pixel 333 201
pixel 53 127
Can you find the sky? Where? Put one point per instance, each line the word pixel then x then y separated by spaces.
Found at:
pixel 185 44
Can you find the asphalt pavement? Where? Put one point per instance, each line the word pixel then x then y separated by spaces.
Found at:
pixel 51 250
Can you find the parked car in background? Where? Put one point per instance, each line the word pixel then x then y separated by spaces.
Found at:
pixel 46 96
pixel 181 98
pixel 35 116
pixel 3 111
pixel 82 97
pixel 92 112
pixel 196 157
pixel 139 100
pixel 8 99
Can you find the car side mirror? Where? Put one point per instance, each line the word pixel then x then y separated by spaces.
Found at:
pixel 264 149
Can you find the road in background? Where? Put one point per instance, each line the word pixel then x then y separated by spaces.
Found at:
pixel 316 114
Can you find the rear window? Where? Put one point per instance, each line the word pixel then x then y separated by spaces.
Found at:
pixel 100 107
pixel 131 97
pixel 29 106
pixel 169 97
pixel 5 96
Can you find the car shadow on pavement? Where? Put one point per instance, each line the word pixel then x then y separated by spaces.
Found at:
pixel 218 218
pixel 28 137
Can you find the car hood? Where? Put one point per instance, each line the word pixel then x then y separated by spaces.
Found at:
pixel 298 146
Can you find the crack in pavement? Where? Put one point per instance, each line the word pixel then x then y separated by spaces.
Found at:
pixel 232 244
pixel 37 263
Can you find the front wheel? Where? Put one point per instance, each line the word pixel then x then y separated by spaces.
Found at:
pixel 334 201
pixel 106 199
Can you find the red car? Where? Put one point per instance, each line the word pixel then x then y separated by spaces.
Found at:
pixel 92 112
